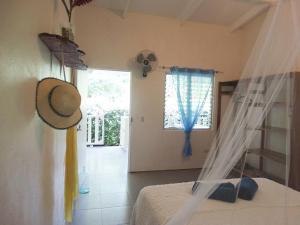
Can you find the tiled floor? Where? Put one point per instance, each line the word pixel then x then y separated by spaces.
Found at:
pixel 113 190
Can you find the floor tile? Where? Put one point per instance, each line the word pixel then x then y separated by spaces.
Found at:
pixel 116 215
pixel 113 191
pixel 119 177
pixel 88 201
pixel 87 217
pixel 115 199
pixel 94 189
pixel 113 187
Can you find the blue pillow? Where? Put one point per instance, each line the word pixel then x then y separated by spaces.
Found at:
pixel 195 186
pixel 225 192
pixel 248 188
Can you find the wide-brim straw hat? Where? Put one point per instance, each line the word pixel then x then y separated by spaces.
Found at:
pixel 58 103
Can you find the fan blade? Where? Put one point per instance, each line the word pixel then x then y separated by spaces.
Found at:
pixel 140 58
pixel 81 2
pixel 147 69
pixel 152 57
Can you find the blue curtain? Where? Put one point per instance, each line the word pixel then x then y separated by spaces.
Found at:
pixel 192 88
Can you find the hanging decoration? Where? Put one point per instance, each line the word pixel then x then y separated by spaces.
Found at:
pixel 58 103
pixel 69 7
pixel 65 51
pixel 71 174
pixel 72 4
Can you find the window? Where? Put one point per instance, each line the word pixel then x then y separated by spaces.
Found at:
pixel 171 115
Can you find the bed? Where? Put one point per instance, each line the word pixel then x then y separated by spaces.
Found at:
pixel 156 205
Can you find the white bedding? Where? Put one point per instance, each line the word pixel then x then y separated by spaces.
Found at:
pixel 273 204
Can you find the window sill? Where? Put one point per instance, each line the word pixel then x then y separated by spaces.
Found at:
pixel 180 129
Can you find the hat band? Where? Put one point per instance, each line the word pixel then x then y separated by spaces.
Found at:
pixel 52 107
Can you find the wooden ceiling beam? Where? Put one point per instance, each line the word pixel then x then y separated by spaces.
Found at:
pixel 191 7
pixel 269 1
pixel 126 8
pixel 250 15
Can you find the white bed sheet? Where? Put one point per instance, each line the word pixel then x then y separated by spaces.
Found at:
pixel 273 204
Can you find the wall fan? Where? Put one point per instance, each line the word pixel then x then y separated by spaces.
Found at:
pixel 148 61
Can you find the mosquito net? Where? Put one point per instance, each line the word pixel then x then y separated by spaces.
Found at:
pixel 266 81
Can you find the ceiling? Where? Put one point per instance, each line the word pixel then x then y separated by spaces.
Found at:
pixel 221 12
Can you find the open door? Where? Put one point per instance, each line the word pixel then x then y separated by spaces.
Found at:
pixel 103 135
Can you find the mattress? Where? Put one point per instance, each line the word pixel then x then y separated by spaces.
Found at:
pixel 273 204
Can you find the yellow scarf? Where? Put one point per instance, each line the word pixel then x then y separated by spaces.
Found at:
pixel 71 173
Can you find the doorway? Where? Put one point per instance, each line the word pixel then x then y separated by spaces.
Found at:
pixel 103 137
pixel 107 108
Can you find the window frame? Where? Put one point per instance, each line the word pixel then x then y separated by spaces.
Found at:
pixel 194 129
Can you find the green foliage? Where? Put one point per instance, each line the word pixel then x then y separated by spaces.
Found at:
pixel 108 94
pixel 112 124
pixel 111 88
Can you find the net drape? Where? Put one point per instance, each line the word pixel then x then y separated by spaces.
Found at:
pixel 266 74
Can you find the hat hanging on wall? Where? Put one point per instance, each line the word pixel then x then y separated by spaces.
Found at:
pixel 58 103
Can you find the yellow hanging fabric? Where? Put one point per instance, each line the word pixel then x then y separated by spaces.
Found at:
pixel 71 173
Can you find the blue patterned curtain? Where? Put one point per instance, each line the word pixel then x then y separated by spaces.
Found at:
pixel 192 88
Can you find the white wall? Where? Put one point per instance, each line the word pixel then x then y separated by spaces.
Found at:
pixel 31 153
pixel 112 43
pixel 249 35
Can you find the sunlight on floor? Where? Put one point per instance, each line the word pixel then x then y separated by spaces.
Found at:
pixel 113 190
pixel 108 202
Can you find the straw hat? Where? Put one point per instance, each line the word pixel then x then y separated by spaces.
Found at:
pixel 57 103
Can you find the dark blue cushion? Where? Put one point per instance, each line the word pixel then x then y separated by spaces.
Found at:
pixel 225 192
pixel 247 189
pixel 195 186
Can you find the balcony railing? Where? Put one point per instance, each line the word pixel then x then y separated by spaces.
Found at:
pixel 95 130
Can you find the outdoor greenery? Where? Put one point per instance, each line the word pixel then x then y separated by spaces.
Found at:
pixel 108 96
pixel 108 92
pixel 112 124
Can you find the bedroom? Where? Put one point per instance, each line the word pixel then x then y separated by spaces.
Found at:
pixel 111 39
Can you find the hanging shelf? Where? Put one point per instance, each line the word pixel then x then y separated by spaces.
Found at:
pixel 64 50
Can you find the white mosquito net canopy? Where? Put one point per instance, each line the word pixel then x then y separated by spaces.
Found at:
pixel 266 75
